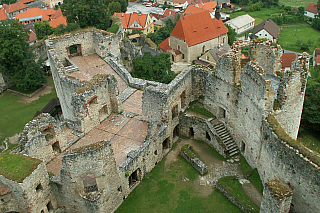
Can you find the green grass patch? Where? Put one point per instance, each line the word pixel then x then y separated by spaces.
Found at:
pixel 15 88
pixel 251 174
pixel 232 185
pixel 197 107
pixel 113 29
pixel 260 16
pixel 310 139
pixel 289 34
pixel 295 3
pixel 214 152
pixel 313 72
pixel 164 191
pixel 298 144
pixel 17 166
pixel 15 114
pixel 188 151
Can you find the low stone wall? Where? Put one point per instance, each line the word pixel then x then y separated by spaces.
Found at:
pixel 231 198
pixel 28 95
pixel 195 162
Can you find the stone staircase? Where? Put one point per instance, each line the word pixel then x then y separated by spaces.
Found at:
pixel 226 138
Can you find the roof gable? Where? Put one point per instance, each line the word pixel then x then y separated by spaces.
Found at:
pixel 56 22
pixel 312 8
pixel 56 14
pixel 3 15
pixel 287 59
pixel 197 28
pixel 271 27
pixel 133 20
pixel 14 7
pixel 165 45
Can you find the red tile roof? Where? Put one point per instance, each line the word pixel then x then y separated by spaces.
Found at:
pixel 128 19
pixel 3 15
pixel 317 59
pixel 165 45
pixel 57 14
pixel 50 11
pixel 26 1
pixel 287 59
pixel 157 16
pixel 197 28
pixel 56 22
pixel 312 8
pixel 14 7
pixel 169 12
pixel 32 36
pixel 4 190
pixel 192 9
pixel 32 12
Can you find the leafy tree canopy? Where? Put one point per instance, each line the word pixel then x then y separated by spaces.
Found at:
pixel 163 33
pixel 231 35
pixel 7 1
pixel 16 59
pixel 114 7
pixel 311 108
pixel 42 29
pixel 154 68
pixel 85 13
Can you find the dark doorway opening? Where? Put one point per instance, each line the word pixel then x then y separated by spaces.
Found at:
pixel 166 144
pixel 89 183
pixel 176 132
pixel 75 50
pixel 243 147
pixel 50 206
pixel 191 132
pixel 208 136
pixel 174 111
pixel 134 178
pixel 56 147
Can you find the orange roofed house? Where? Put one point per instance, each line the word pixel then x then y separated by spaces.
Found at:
pixel 13 9
pixel 193 35
pixel 138 21
pixel 311 10
pixel 32 15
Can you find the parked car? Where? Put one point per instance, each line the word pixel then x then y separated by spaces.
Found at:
pixel 153 5
pixel 160 6
pixel 148 5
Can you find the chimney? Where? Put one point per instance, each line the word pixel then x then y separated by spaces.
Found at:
pixel 217 13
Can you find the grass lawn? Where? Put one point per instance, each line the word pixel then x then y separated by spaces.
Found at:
pixel 232 185
pixel 163 191
pixel 15 114
pixel 310 139
pixel 260 16
pixel 296 3
pixel 198 108
pixel 17 166
pixel 289 34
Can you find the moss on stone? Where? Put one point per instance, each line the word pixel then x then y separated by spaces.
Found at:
pixel 90 147
pixel 279 189
pixel 188 151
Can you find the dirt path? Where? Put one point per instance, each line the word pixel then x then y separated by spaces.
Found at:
pixel 216 169
pixel 44 91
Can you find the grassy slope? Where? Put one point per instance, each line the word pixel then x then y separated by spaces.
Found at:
pixel 163 191
pixel 289 34
pixel 296 3
pixel 15 114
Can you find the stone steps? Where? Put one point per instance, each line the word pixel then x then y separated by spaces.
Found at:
pixel 227 140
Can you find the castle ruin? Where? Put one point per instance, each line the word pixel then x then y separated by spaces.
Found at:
pixel 115 128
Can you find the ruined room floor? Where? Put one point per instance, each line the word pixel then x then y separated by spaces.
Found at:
pixel 134 103
pixel 126 134
pixel 92 65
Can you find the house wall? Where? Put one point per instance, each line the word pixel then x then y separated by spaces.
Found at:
pixel 191 53
pixel 242 29
pixel 309 14
pixel 265 34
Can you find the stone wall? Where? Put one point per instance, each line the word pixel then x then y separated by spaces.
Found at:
pixel 43 138
pixel 28 196
pixel 195 162
pixel 5 83
pixel 98 162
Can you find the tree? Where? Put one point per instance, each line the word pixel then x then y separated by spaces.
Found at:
pixel 85 13
pixel 114 7
pixel 231 35
pixel 7 1
pixel 318 6
pixel 42 29
pixel 16 59
pixel 154 68
pixel 311 108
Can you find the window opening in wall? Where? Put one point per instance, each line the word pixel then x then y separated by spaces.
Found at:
pixel 156 152
pixel 42 211
pixel 172 57
pixel 56 147
pixel 120 188
pixel 39 187
pixel 208 136
pixel 191 132
pixel 228 95
pixel 48 133
pixel 89 183
pixel 74 50
pixel 2 200
pixel 183 99
pixel 50 206
pixel 243 147
pixel 134 178
pixel 222 112
pixel 176 132
pixel 103 112
pixel 175 111
pixel 203 48
pixel 166 144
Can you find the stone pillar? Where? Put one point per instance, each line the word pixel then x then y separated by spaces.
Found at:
pixel 276 198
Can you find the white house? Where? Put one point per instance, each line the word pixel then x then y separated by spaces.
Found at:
pixel 242 23
pixel 311 11
pixel 267 29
